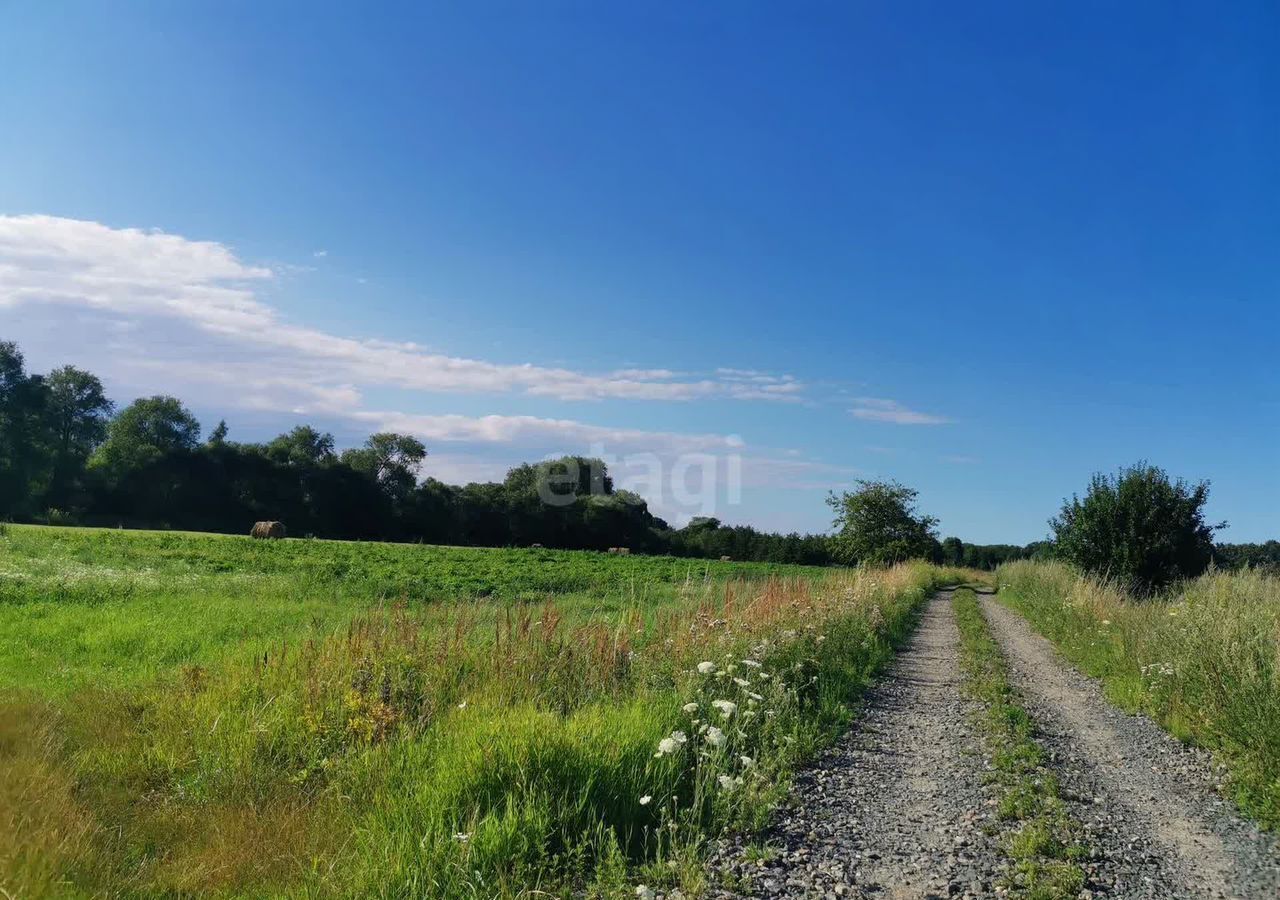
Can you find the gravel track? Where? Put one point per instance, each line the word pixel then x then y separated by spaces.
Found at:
pixel 1148 802
pixel 896 808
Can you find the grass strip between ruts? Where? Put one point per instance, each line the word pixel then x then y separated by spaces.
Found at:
pixel 1042 841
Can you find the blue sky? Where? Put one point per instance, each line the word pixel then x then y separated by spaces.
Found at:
pixel 985 250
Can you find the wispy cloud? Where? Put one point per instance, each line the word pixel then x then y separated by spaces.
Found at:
pixel 876 409
pixel 139 274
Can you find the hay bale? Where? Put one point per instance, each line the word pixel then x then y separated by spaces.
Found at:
pixel 267 531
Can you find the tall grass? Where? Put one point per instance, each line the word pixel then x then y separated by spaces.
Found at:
pixel 1203 660
pixel 480 749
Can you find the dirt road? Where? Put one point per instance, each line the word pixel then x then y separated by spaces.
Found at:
pixel 901 807
pixel 895 809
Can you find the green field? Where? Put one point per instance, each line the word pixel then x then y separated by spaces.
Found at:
pixel 213 716
pixel 109 606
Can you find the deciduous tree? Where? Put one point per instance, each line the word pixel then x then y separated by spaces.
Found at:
pixel 878 524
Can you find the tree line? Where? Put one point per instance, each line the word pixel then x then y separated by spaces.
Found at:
pixel 69 456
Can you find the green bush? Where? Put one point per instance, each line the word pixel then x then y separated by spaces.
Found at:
pixel 1137 527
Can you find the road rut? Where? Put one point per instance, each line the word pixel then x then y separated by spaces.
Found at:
pixel 1147 801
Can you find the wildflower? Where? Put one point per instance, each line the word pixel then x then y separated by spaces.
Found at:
pixel 706 667
pixel 821 638
pixel 756 697
pixel 462 705
pixel 1106 621
pixel 646 800
pixel 752 663
pixel 742 682
pixel 644 892
pixel 679 737
pixel 726 707
pixel 462 837
pixel 690 707
pixel 715 737
pixel 747 761
pixel 726 783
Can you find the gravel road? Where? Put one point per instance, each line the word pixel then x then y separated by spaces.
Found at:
pixel 1149 802
pixel 898 808
pixel 895 809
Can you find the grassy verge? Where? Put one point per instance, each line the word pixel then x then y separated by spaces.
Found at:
pixel 1041 839
pixel 396 748
pixel 1203 660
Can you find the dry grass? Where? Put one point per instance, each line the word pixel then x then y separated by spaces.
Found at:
pixel 44 833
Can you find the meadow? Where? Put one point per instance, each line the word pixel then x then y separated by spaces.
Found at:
pixel 186 715
pixel 1201 658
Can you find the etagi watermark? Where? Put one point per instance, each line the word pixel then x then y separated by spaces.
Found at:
pixel 694 483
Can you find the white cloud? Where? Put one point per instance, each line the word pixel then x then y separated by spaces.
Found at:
pixel 534 430
pixel 137 274
pixel 876 409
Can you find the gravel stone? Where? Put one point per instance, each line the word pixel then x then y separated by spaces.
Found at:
pixel 898 807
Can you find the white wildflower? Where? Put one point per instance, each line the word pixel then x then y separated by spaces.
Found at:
pixel 726 783
pixel 747 761
pixel 727 707
pixel 646 800
pixel 462 705
pixel 643 892
pixel 742 682
pixel 706 667
pixel 715 737
pixel 752 663
pixel 667 746
pixel 690 707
